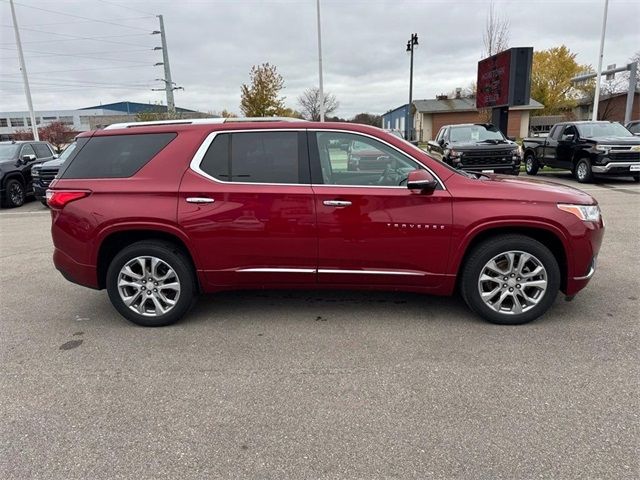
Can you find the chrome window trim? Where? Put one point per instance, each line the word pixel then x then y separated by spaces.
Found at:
pixel 194 165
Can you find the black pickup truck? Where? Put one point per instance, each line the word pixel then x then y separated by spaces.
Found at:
pixel 476 147
pixel 587 149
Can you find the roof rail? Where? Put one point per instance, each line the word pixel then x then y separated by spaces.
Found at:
pixel 202 121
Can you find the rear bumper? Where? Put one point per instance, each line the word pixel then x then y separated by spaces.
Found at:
pixel 85 275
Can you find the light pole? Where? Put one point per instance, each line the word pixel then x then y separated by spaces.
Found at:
pixel 411 44
pixel 596 96
pixel 320 91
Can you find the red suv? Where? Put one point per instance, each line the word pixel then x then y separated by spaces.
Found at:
pixel 159 212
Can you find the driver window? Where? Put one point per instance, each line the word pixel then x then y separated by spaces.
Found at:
pixel 570 130
pixel 27 150
pixel 351 159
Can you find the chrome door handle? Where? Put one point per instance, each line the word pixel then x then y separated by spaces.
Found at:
pixel 200 200
pixel 336 203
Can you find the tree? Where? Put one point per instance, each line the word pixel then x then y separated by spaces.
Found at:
pixel 309 102
pixel 57 134
pixel 551 75
pixel 497 32
pixel 260 98
pixel 367 119
pixel 227 114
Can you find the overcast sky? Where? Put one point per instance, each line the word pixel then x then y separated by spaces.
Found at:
pixel 214 43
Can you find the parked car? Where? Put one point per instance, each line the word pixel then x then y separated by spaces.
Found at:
pixel 476 148
pixel 42 174
pixel 634 127
pixel 159 212
pixel 361 157
pixel 16 160
pixel 587 149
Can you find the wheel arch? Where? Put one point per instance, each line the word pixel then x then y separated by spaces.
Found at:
pixel 115 241
pixel 548 236
pixel 14 176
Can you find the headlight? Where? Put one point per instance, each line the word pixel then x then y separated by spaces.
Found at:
pixel 586 213
pixel 517 151
pixel 603 148
pixel 454 154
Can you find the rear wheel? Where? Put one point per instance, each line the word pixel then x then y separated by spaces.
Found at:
pixel 510 280
pixel 531 165
pixel 151 283
pixel 583 171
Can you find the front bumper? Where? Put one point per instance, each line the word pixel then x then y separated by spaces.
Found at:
pixel 618 168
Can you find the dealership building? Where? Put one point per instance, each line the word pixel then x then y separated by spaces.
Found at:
pixel 88 118
pixel 431 114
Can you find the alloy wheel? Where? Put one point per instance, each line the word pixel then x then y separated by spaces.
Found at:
pixel 582 171
pixel 512 282
pixel 148 286
pixel 16 194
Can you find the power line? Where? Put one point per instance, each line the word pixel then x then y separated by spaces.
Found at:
pixel 75 55
pixel 75 37
pixel 85 69
pixel 88 84
pixel 126 7
pixel 77 16
pixel 81 21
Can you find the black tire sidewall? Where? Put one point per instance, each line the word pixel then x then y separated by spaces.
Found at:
pixel 8 200
pixel 534 164
pixel 589 176
pixel 175 259
pixel 489 249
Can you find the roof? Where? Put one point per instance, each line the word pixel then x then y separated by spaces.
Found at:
pixel 589 100
pixel 462 105
pixel 401 107
pixel 135 107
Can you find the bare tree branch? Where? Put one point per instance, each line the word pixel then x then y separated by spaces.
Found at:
pixel 309 103
pixel 497 33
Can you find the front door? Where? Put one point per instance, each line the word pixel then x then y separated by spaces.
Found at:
pixel 371 228
pixel 248 206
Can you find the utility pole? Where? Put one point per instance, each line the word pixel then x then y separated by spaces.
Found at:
pixel 23 68
pixel 408 131
pixel 321 91
pixel 168 83
pixel 596 96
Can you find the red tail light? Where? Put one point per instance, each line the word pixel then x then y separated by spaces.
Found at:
pixel 57 199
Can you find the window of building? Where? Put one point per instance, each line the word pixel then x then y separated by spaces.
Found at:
pixel 4 122
pixel 67 120
pixel 255 157
pixel 17 122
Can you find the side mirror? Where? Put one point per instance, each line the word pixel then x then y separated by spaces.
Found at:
pixel 421 180
pixel 568 138
pixel 432 144
pixel 441 142
pixel 28 158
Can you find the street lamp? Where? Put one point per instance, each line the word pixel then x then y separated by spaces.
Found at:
pixel 411 44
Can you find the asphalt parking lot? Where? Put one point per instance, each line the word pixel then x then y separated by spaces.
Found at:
pixel 319 384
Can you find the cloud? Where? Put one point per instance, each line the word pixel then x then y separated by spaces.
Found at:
pixel 214 43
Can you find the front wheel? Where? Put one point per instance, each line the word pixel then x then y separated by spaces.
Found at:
pixel 151 283
pixel 583 171
pixel 15 194
pixel 510 280
pixel 531 165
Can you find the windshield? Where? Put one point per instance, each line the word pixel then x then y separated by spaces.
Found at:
pixel 8 152
pixel 67 152
pixel 475 133
pixel 600 130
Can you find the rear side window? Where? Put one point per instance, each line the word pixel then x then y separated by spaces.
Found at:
pixel 254 157
pixel 115 156
pixel 42 151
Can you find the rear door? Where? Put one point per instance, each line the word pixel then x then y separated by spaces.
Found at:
pixel 372 229
pixel 551 145
pixel 248 207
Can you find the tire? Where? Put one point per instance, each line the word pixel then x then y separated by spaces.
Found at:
pixel 582 171
pixel 144 309
pixel 531 165
pixel 502 307
pixel 15 194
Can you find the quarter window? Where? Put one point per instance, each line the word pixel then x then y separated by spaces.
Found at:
pixel 254 157
pixel 42 151
pixel 351 159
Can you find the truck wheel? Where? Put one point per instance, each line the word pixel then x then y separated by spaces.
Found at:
pixel 583 171
pixel 14 194
pixel 151 283
pixel 531 165
pixel 510 279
